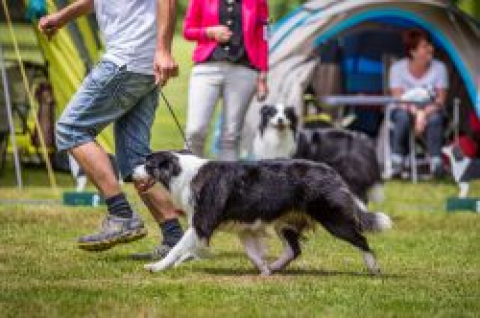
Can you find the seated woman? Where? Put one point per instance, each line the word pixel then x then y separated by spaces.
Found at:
pixel 418 69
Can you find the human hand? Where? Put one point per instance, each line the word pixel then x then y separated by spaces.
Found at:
pixel 262 87
pixel 50 24
pixel 420 122
pixel 219 33
pixel 164 67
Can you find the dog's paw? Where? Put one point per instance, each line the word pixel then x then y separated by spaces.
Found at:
pixel 265 271
pixel 375 271
pixel 153 267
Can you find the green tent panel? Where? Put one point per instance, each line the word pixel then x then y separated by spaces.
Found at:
pixel 69 55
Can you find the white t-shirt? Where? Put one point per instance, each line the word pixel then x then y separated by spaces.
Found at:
pixel 129 28
pixel 400 76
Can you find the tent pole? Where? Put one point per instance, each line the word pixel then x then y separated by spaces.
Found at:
pixel 51 175
pixel 11 126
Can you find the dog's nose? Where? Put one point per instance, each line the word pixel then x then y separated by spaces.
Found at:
pixel 280 121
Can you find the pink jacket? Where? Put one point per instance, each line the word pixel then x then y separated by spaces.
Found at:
pixel 204 13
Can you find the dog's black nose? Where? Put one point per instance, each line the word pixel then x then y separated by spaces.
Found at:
pixel 280 121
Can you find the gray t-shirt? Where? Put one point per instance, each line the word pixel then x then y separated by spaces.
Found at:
pixel 400 77
pixel 129 28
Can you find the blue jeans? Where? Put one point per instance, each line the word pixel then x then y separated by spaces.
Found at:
pixel 402 124
pixel 111 94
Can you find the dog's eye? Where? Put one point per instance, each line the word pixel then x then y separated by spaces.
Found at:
pixel 162 163
pixel 272 112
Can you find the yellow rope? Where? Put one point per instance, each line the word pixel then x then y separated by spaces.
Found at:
pixel 51 175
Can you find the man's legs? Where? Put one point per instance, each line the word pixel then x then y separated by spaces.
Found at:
pixel 110 94
pixel 132 133
pixel 96 164
pixel 166 215
pixel 121 224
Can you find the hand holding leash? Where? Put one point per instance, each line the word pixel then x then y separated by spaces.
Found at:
pixel 262 87
pixel 164 67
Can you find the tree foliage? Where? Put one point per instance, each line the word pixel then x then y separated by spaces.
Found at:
pixel 279 8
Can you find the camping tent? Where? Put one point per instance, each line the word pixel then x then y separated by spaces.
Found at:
pixel 345 47
pixel 66 59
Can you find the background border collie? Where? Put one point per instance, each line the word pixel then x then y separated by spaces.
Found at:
pixel 247 197
pixel 352 154
pixel 276 134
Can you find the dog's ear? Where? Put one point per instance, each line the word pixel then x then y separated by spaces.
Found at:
pixel 169 170
pixel 266 110
pixel 292 116
pixel 265 113
pixel 164 167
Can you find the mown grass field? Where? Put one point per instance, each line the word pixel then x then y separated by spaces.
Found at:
pixel 430 260
pixel 430 263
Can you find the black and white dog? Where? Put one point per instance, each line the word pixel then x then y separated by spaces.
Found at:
pixel 352 154
pixel 277 133
pixel 248 197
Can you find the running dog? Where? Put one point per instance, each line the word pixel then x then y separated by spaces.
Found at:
pixel 248 197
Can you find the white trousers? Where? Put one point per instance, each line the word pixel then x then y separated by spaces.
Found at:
pixel 209 82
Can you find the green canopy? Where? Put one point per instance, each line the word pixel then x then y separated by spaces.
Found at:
pixel 67 57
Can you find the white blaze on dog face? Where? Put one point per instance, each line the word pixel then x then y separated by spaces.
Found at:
pixel 280 119
pixel 280 116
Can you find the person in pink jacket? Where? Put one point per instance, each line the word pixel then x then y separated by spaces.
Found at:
pixel 231 62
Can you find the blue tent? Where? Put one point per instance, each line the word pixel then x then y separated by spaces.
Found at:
pixel 346 47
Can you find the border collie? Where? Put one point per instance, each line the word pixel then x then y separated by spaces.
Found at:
pixel 248 197
pixel 276 134
pixel 352 154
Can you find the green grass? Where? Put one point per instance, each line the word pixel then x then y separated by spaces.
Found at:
pixel 430 263
pixel 165 134
pixel 430 259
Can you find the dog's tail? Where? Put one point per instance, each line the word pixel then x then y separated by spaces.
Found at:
pixel 372 221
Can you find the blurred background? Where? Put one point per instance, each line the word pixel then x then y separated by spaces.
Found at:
pixel 53 71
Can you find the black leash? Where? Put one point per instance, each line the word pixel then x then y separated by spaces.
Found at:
pixel 170 109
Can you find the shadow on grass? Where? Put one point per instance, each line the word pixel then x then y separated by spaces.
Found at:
pixel 119 257
pixel 238 272
pixel 293 273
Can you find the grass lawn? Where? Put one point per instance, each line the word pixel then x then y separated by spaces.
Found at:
pixel 430 264
pixel 430 260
